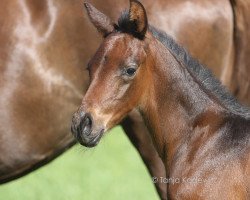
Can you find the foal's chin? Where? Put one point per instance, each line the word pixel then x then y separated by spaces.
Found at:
pixel 90 141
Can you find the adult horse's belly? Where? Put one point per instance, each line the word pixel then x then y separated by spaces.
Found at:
pixel 44 51
pixel 42 81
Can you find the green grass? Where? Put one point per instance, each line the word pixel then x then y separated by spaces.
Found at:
pixel 112 170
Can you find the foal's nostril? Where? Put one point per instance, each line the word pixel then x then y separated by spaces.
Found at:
pixel 86 125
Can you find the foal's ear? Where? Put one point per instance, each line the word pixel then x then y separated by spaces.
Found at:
pixel 99 20
pixel 138 16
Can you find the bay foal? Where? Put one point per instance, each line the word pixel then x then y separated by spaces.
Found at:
pixel 200 131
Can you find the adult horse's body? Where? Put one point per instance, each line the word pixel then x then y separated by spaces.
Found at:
pixel 44 49
pixel 200 131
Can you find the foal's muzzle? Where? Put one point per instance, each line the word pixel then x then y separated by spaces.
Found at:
pixel 82 128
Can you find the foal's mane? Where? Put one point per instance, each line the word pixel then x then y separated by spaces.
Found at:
pixel 202 74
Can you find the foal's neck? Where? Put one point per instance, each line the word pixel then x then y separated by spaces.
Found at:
pixel 179 110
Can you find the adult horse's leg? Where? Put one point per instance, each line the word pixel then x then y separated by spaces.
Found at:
pixel 241 81
pixel 138 134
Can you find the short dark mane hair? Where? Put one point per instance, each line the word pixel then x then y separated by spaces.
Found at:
pixel 202 74
pixel 125 25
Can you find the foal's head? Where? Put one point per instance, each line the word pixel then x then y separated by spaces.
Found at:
pixel 119 73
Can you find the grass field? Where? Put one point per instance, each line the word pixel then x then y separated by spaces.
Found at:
pixel 112 170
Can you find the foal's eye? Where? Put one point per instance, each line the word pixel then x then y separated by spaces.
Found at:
pixel 130 71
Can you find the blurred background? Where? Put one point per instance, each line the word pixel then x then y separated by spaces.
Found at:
pixel 112 170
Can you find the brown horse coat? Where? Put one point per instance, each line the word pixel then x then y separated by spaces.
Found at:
pixel 44 48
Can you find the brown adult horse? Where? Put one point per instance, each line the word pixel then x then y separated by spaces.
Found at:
pixel 44 49
pixel 200 131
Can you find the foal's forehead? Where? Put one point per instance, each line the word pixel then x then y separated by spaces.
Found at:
pixel 122 41
pixel 117 48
